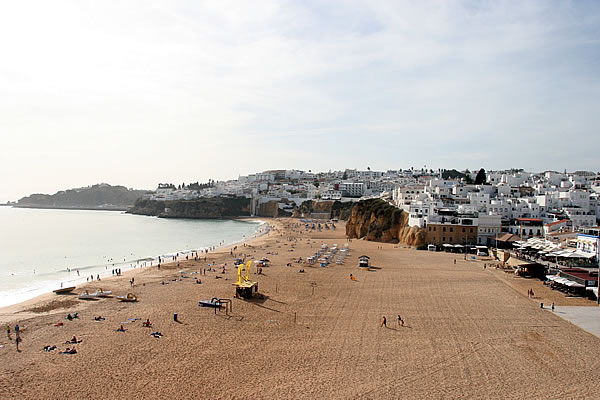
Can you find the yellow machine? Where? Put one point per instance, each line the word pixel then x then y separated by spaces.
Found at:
pixel 244 286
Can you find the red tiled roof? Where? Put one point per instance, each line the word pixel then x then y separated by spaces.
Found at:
pixel 582 275
pixel 557 222
pixel 528 219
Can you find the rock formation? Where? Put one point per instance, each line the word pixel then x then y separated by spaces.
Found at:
pixel 215 207
pixel 376 220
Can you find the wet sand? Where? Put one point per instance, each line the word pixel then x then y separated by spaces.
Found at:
pixel 469 332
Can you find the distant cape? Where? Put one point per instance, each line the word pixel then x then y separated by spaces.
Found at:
pixel 96 197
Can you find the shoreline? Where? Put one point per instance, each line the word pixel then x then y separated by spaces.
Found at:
pixel 133 268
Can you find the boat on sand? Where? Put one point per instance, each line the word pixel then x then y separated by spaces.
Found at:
pixel 129 298
pixel 102 293
pixel 86 295
pixel 64 290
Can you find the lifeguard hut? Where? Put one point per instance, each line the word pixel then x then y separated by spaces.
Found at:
pixel 244 287
pixel 363 262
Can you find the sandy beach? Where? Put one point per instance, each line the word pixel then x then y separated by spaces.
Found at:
pixel 469 332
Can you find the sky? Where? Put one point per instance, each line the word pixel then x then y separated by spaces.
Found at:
pixel 141 92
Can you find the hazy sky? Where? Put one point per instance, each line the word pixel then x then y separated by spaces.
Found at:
pixel 141 92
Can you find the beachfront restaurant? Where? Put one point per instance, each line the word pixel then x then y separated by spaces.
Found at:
pixel 571 258
pixel 575 282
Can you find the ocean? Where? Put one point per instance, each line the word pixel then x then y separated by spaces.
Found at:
pixel 42 249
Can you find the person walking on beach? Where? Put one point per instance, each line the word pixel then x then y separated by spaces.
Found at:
pixel 8 332
pixel 552 306
pixel 400 320
pixel 384 322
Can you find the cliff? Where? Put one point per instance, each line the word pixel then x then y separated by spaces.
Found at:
pixel 97 197
pixel 335 209
pixel 215 207
pixel 376 220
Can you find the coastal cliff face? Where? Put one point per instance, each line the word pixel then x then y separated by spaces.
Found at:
pixel 218 207
pixel 376 220
pixel 336 209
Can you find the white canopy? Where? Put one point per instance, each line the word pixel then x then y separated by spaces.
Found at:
pixel 580 254
pixel 573 284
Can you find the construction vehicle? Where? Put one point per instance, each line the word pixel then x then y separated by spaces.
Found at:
pixel 244 287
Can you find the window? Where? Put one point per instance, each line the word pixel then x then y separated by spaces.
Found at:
pixel 471 230
pixel 451 229
pixel 444 229
pixel 443 238
pixel 463 229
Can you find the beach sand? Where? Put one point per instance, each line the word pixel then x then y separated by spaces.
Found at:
pixel 469 332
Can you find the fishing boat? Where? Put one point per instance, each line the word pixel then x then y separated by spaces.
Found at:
pixel 86 295
pixel 129 298
pixel 64 290
pixel 102 293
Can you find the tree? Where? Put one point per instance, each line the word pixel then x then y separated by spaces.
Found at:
pixel 481 178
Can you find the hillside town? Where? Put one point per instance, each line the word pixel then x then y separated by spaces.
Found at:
pixel 522 203
pixel 548 219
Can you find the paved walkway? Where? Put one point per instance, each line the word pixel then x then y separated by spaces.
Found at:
pixel 587 318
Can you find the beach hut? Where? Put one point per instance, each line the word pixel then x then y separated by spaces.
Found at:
pixel 363 262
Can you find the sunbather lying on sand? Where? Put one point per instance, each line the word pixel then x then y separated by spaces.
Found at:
pixel 98 318
pixel 147 323
pixel 73 341
pixel 69 351
pixel 71 317
pixel 156 334
pixel 50 348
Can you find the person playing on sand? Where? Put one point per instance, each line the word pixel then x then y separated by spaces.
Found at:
pixel 384 322
pixel 121 329
pixel 147 324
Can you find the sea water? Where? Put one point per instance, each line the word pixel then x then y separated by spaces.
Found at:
pixel 40 250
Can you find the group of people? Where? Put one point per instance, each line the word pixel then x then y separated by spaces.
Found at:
pixel 384 321
pixel 18 339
